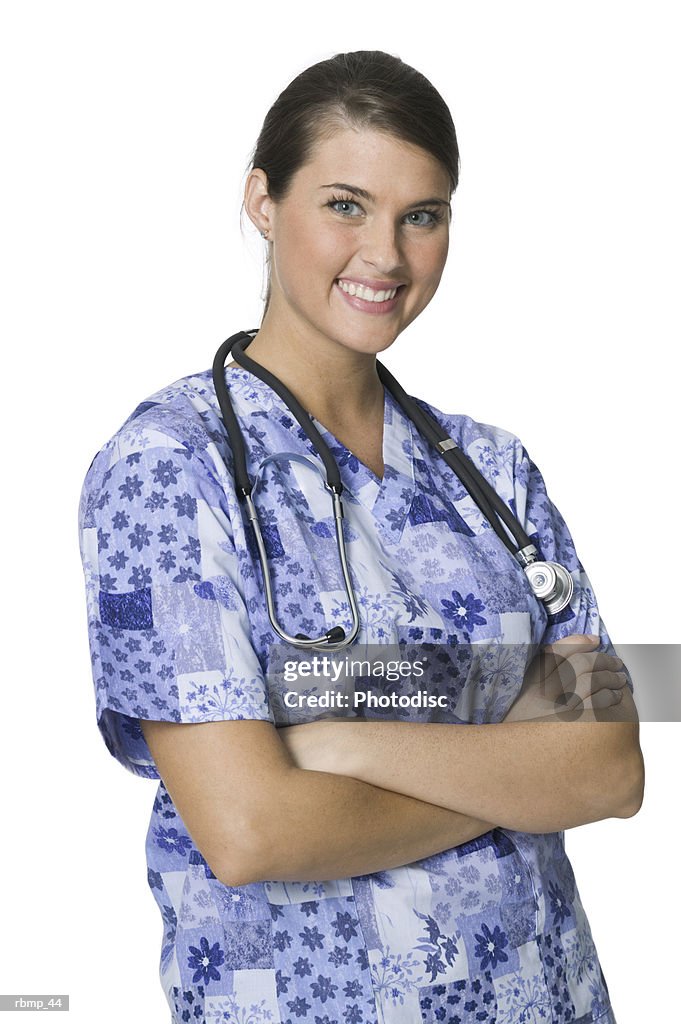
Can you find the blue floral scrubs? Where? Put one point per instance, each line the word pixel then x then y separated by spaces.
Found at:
pixel 490 931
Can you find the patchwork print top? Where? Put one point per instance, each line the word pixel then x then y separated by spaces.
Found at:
pixel 490 931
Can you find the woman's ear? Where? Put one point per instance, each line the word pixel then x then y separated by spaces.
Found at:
pixel 258 202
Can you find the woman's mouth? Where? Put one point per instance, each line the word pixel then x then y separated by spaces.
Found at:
pixel 369 305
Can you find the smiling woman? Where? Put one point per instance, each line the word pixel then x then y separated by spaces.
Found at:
pixel 332 872
pixel 347 277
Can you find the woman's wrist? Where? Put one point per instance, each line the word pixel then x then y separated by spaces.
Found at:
pixel 327 745
pixel 342 746
pixel 331 746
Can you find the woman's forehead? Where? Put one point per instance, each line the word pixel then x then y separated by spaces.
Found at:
pixel 367 157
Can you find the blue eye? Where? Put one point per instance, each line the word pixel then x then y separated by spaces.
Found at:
pixel 346 202
pixel 436 215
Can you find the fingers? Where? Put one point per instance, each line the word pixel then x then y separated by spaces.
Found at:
pixel 570 669
pixel 571 674
pixel 573 656
pixel 552 655
pixel 582 676
pixel 595 701
pixel 578 650
pixel 604 698
pixel 597 690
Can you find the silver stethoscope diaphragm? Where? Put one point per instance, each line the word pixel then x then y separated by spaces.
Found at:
pixel 551 584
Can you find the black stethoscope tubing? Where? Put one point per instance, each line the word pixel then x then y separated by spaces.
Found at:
pixel 550 582
pixel 241 476
pixel 482 492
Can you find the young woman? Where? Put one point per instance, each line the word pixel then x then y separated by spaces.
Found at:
pixel 340 870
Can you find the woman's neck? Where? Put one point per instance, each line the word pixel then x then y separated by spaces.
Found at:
pixel 339 388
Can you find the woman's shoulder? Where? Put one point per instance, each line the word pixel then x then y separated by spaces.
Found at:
pixel 186 405
pixel 181 416
pixel 468 431
pixel 496 452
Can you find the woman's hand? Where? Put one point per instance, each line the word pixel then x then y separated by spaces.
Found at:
pixel 567 679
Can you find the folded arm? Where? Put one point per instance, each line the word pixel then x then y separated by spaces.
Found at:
pixel 537 776
pixel 255 816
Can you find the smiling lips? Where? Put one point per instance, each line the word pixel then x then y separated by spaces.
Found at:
pixel 370 300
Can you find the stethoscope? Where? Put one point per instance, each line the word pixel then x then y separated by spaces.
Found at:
pixel 551 583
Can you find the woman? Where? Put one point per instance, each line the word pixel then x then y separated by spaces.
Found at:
pixel 344 870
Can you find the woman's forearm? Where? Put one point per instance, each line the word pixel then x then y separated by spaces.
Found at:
pixel 526 776
pixel 329 826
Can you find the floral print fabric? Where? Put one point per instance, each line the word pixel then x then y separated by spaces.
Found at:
pixel 490 931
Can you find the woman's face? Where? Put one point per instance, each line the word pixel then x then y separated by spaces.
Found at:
pixel 397 234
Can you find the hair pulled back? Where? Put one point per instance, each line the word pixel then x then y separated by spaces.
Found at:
pixel 363 89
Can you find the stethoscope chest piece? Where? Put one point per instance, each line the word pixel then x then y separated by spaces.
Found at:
pixel 551 584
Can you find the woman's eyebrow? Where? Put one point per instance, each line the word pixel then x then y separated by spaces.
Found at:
pixel 367 195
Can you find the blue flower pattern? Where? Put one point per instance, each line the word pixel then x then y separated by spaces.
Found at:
pixel 490 931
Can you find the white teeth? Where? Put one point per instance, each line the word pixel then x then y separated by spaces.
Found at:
pixel 363 292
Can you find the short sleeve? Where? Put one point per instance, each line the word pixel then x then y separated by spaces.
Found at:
pixel 168 625
pixel 549 533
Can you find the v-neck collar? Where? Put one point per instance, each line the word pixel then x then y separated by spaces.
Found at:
pixel 389 499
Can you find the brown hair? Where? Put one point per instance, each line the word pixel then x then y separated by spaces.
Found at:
pixel 362 89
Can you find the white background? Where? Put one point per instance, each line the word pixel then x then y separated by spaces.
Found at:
pixel 126 133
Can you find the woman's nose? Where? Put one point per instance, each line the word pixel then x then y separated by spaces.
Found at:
pixel 381 247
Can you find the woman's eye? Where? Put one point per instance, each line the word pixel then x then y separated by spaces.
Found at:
pixel 342 202
pixel 434 216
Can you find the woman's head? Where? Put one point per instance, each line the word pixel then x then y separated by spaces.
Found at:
pixel 368 120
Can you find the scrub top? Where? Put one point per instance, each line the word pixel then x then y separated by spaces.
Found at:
pixel 492 930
